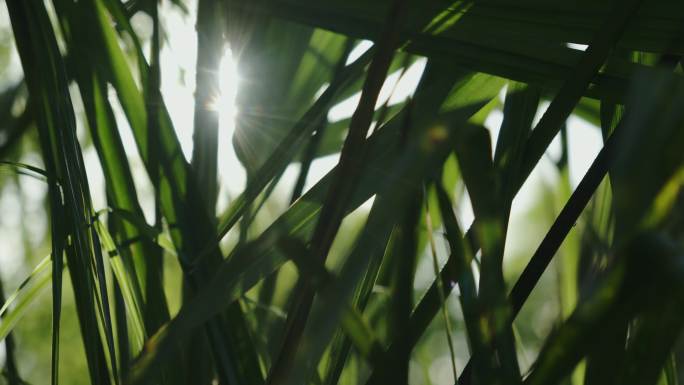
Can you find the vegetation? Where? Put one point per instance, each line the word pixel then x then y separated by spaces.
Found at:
pixel 294 282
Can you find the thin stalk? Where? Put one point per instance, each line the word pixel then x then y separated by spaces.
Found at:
pixel 576 84
pixel 557 233
pixel 312 146
pixel 206 119
pixel 342 187
pixel 544 132
pixel 157 309
pixel 309 154
pixel 440 288
pixel 10 371
pixel 384 110
pixel 285 151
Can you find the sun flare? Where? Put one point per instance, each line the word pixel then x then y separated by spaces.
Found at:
pixel 229 80
pixel 232 176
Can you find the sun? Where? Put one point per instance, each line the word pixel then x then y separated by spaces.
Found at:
pixel 232 178
pixel 229 80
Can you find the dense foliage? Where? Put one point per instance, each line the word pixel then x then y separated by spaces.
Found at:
pixel 370 274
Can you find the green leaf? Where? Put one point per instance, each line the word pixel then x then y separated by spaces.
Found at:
pixel 648 193
pixel 70 202
pixel 191 225
pixel 29 289
pixel 527 43
pixel 617 299
pixel 576 83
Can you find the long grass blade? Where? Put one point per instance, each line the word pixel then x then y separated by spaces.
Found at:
pixel 70 202
pixel 343 184
pixel 576 83
pixel 442 294
pixel 23 298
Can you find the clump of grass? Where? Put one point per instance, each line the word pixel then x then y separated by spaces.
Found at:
pixel 348 310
